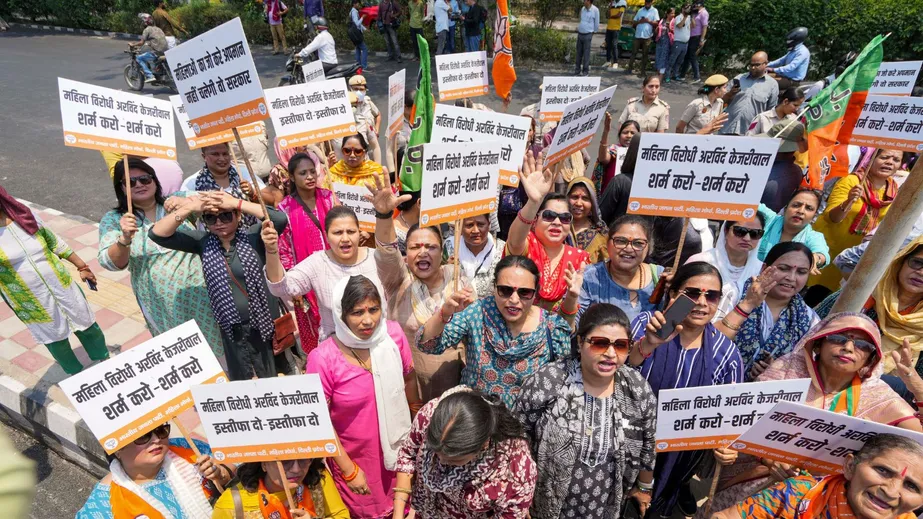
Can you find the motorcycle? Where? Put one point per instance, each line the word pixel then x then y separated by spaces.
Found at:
pixel 296 74
pixel 134 74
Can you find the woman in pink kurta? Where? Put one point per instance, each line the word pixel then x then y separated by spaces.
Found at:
pixel 370 430
pixel 306 207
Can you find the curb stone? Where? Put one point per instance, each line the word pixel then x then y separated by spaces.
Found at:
pixel 89 32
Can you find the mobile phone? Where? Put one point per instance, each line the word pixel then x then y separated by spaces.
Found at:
pixel 675 315
pixel 736 83
pixel 764 356
pixel 90 284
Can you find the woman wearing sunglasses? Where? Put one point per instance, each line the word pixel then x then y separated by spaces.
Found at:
pixel 736 256
pixel 794 224
pixel 417 286
pixel 232 261
pixel 588 232
pixel 623 280
pixel 261 492
pixel 156 476
pixel 772 316
pixel 506 336
pixel 842 357
pixel 539 232
pixel 168 284
pixel 575 411
pixel 896 305
pixel 695 354
pixel 356 167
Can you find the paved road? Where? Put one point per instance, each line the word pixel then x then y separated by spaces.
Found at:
pixel 62 487
pixel 35 164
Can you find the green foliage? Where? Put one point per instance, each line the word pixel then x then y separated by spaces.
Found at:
pixel 547 12
pixel 538 44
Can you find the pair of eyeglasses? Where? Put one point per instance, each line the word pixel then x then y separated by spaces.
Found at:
pixel 353 151
pixel 549 216
pixel 754 65
pixel 915 263
pixel 740 232
pixel 145 180
pixel 212 219
pixel 860 344
pixel 506 292
pixel 600 345
pixel 429 247
pixel 621 243
pixel 712 296
pixel 162 433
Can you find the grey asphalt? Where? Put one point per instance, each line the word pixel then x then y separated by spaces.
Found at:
pixel 62 487
pixel 35 164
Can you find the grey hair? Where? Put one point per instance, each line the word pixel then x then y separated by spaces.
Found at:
pixel 885 443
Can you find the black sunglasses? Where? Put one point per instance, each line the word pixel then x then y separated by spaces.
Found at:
pixel 712 296
pixel 600 345
pixel 549 216
pixel 861 344
pixel 506 291
pixel 162 432
pixel 740 232
pixel 144 179
pixel 915 263
pixel 212 219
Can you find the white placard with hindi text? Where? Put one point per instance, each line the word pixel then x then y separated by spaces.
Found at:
pixel 462 75
pixel 266 419
pixel 311 112
pixel 701 176
pixel 890 122
pixel 457 124
pixel 396 90
pixel 144 387
pixel 810 438
pixel 711 417
pixel 353 197
pixel 578 125
pixel 560 91
pixel 313 71
pixel 100 118
pixel 201 141
pixel 217 80
pixel 896 78
pixel 459 180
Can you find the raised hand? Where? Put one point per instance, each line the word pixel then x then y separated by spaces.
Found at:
pixel 128 223
pixel 208 468
pixel 716 124
pixel 382 196
pixel 725 456
pixel 270 237
pixel 760 286
pixel 651 340
pixel 819 260
pixel 456 302
pixel 904 366
pixel 607 123
pixel 536 181
pixel 574 279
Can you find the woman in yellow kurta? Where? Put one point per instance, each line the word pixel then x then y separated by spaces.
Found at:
pixel 260 494
pixel 855 207
pixel 355 168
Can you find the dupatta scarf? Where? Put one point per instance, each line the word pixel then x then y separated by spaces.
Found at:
pixel 896 324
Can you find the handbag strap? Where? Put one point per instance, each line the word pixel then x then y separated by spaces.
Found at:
pixel 238 503
pixel 308 210
pixel 231 275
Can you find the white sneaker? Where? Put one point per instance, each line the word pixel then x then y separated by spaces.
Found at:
pixel 615 66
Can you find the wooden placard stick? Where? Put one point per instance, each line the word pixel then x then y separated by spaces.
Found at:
pixel 288 492
pixel 192 445
pixel 682 240
pixel 255 185
pixel 127 182
pixel 458 224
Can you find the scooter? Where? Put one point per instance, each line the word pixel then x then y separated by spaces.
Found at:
pixel 295 74
pixel 134 74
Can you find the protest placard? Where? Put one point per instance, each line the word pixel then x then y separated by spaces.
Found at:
pixel 266 419
pixel 144 387
pixel 457 124
pixel 701 176
pixel 103 119
pixel 353 197
pixel 459 180
pixel 895 78
pixel 890 122
pixel 560 91
pixel 313 71
pixel 578 125
pixel 396 86
pixel 311 112
pixel 811 438
pixel 217 80
pixel 711 417
pixel 461 75
pixel 201 141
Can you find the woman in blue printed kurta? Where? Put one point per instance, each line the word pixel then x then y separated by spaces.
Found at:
pixel 506 337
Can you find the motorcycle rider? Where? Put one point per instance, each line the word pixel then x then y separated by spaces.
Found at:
pixel 156 40
pixel 793 67
pixel 323 44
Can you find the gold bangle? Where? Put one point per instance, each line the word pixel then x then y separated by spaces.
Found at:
pixel 725 322
pixel 403 490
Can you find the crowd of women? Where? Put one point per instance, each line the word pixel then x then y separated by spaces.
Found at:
pixel 515 374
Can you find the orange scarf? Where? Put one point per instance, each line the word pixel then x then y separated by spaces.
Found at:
pixel 128 505
pixel 273 508
pixel 847 401
pixel 830 496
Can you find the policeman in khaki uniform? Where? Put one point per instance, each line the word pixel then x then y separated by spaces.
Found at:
pixel 649 111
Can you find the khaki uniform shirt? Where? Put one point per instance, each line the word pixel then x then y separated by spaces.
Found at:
pixel 653 118
pixel 700 112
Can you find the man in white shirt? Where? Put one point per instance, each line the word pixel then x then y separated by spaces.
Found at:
pixel 443 8
pixel 682 30
pixel 323 44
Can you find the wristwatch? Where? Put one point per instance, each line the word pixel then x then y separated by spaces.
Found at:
pixel 383 216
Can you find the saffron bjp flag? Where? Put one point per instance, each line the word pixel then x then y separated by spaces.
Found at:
pixel 503 72
pixel 421 124
pixel 831 116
